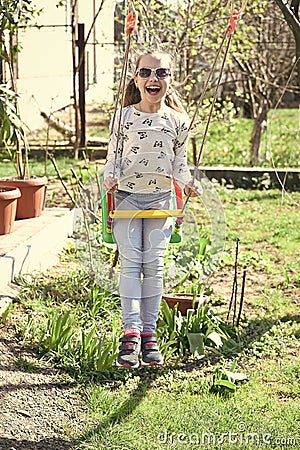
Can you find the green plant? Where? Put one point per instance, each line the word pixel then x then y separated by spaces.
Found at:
pixel 224 380
pixel 80 350
pixel 12 129
pixel 27 365
pixel 95 353
pixel 58 333
pixel 5 313
pixel 172 331
pixel 206 326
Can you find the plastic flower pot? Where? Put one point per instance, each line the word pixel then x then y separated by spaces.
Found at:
pixel 8 207
pixel 183 300
pixel 31 202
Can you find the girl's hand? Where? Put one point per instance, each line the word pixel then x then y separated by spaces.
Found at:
pixel 110 184
pixel 193 188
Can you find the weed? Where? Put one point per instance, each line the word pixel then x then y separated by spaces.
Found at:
pixel 5 313
pixel 192 333
pixel 224 381
pixel 27 365
pixel 58 334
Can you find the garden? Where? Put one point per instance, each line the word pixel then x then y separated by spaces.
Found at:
pixel 231 372
pixel 239 389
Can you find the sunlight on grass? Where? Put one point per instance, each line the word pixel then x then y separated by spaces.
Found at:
pixel 178 406
pixel 228 142
pixel 178 417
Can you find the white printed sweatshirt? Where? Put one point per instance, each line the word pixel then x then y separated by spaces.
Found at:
pixel 152 149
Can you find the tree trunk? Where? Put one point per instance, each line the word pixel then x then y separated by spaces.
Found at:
pixel 260 124
pixel 291 15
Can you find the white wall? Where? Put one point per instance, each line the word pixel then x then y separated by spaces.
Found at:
pixel 45 61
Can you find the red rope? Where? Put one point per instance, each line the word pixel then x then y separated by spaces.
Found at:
pixel 233 21
pixel 130 22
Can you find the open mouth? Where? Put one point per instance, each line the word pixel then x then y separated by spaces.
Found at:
pixel 153 90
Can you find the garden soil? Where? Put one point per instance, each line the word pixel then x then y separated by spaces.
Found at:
pixel 36 407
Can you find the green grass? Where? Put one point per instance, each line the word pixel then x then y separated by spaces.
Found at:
pixel 37 166
pixel 228 141
pixel 176 409
pixel 227 144
pixel 182 413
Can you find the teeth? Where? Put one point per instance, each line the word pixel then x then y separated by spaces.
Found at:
pixel 153 88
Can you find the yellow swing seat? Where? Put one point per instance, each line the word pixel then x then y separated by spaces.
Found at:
pixel 109 214
pixel 145 213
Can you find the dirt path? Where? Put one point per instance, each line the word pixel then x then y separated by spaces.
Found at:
pixel 37 403
pixel 37 406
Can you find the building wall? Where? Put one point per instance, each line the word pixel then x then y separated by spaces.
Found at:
pixel 45 61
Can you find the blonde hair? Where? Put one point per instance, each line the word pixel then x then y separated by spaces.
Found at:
pixel 132 94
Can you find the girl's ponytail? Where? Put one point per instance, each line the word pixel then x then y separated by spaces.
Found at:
pixel 132 94
pixel 172 100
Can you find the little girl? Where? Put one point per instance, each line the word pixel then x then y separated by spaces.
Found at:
pixel 152 149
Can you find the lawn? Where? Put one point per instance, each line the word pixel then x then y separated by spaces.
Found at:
pixel 228 141
pixel 181 405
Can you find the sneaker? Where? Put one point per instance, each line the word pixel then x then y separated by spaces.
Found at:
pixel 151 355
pixel 129 352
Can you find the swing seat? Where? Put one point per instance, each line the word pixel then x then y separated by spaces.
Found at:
pixel 145 213
pixel 109 214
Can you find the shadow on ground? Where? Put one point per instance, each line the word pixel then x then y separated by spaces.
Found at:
pixel 44 444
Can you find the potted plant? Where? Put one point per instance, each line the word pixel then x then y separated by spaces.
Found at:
pixel 194 332
pixel 12 129
pixel 183 300
pixel 8 208
pixel 31 201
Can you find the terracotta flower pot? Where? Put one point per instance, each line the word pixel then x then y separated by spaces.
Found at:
pixel 183 300
pixel 32 189
pixel 8 207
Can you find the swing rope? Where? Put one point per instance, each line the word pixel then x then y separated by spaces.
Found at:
pixel 229 32
pixel 130 27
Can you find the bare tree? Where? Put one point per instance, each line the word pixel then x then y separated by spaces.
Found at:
pixel 261 54
pixel 264 72
pixel 290 11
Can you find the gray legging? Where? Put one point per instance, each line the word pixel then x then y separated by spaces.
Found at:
pixel 142 245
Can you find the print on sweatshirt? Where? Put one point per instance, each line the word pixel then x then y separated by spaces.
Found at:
pixel 152 148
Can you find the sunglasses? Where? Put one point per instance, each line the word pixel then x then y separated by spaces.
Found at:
pixel 160 72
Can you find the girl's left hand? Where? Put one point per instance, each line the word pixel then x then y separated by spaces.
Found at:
pixel 193 188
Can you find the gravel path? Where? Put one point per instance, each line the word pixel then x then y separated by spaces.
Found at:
pixel 35 408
